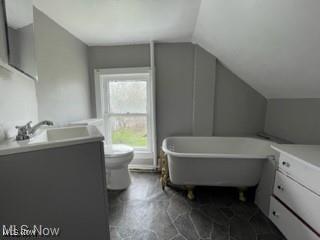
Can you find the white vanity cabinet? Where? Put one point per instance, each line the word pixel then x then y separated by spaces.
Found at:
pixel 295 204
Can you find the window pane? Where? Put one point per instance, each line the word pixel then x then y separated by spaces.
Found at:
pixel 128 96
pixel 129 130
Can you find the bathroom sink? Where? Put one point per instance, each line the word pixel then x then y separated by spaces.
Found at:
pixel 56 134
pixel 51 137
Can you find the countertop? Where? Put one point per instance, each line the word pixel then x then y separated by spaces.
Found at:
pixel 41 141
pixel 309 154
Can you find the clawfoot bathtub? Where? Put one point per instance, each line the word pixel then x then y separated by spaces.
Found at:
pixel 215 161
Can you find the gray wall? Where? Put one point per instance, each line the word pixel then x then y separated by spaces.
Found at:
pixel 185 90
pixel 296 120
pixel 174 80
pixel 18 103
pixel 63 89
pixel 174 88
pixel 204 89
pixel 185 79
pixel 116 57
pixel 119 56
pixel 239 109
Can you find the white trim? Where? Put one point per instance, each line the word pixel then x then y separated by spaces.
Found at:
pixel 98 93
pixel 144 167
pixel 153 90
pixel 119 71
pixel 194 95
pixel 148 155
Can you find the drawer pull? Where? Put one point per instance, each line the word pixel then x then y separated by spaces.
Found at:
pixel 280 188
pixel 274 213
pixel 286 164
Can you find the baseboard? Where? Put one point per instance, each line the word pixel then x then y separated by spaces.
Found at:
pixel 143 167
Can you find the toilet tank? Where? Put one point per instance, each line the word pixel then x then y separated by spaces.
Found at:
pixel 97 122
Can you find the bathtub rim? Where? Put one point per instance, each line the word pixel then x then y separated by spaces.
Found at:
pixel 216 155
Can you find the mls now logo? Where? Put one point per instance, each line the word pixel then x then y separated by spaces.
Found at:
pixel 29 231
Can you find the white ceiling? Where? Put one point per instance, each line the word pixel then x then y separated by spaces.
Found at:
pixel 113 22
pixel 273 45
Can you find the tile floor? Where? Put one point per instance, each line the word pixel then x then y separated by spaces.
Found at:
pixel 145 212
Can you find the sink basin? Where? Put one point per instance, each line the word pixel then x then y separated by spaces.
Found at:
pixel 52 137
pixel 56 134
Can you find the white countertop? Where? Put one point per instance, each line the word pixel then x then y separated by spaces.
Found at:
pixel 309 154
pixel 52 138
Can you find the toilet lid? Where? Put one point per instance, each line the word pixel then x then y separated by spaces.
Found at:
pixel 117 150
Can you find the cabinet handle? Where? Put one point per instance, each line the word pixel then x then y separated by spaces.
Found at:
pixel 274 213
pixel 280 188
pixel 286 164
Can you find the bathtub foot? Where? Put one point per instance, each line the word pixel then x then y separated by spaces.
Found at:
pixel 242 194
pixel 164 179
pixel 190 194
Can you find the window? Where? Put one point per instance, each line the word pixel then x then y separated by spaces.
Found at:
pixel 125 101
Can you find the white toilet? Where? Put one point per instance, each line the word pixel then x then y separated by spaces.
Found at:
pixel 117 158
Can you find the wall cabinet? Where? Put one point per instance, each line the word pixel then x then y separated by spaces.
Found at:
pixel 17 43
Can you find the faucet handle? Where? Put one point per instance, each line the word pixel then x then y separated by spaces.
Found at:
pixel 26 126
pixel 23 131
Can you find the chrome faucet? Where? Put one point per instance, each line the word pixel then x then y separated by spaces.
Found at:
pixel 23 132
pixel 26 131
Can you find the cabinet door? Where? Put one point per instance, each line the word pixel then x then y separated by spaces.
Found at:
pixel 304 173
pixel 291 227
pixel 301 200
pixel 60 187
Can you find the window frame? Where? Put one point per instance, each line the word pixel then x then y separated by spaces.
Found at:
pixel 108 114
pixel 129 74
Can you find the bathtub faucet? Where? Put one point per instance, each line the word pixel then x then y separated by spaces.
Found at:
pixel 26 131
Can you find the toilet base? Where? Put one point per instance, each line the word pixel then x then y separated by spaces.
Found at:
pixel 118 179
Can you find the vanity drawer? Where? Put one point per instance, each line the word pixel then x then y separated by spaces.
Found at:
pixel 299 199
pixel 302 172
pixel 291 227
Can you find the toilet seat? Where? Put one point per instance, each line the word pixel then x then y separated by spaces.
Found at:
pixel 117 150
pixel 117 155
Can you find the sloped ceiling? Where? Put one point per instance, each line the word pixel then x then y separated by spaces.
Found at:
pixel 273 45
pixel 114 22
